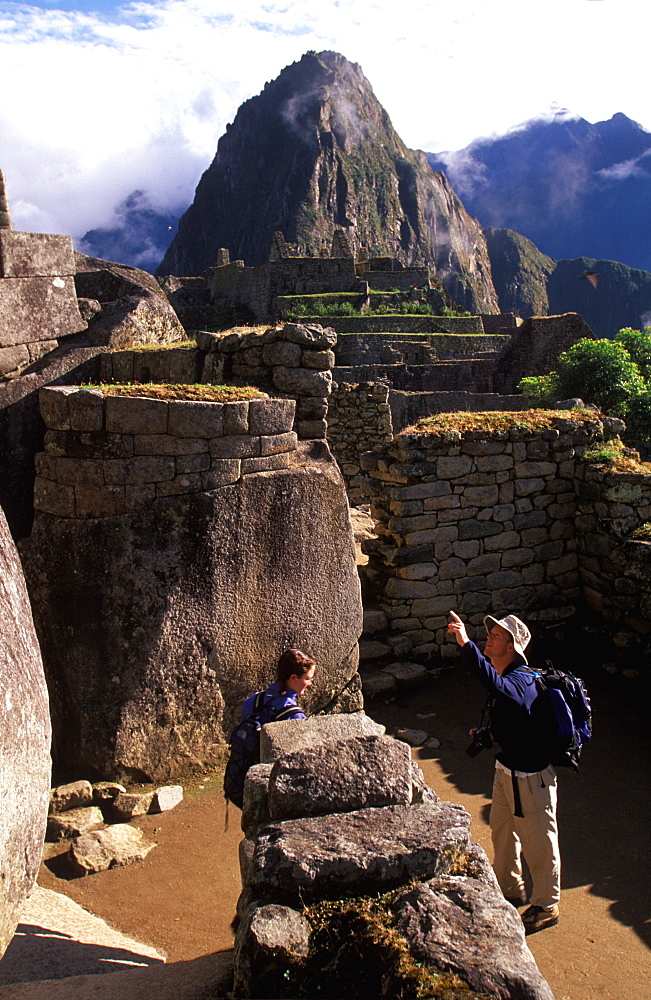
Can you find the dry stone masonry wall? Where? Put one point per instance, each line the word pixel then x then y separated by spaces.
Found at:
pixel 38 302
pixel 295 359
pixel 310 837
pixel 491 522
pixel 111 455
pixel 359 417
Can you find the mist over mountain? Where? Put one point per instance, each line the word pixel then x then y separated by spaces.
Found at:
pixel 315 151
pixel 573 188
pixel 139 236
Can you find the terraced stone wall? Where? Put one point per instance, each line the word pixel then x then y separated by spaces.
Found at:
pixel 359 416
pixel 507 522
pixel 111 455
pixel 294 359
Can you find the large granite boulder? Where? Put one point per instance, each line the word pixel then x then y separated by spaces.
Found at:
pixel 463 924
pixel 134 308
pixel 156 624
pixel 25 728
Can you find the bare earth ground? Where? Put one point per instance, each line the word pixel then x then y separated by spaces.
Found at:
pixel 182 897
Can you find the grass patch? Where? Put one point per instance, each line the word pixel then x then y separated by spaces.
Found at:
pixel 616 457
pixel 200 392
pixel 356 952
pixel 496 420
pixel 642 533
pixel 163 347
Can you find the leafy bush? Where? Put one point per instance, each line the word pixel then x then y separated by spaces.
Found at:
pixel 540 390
pixel 601 372
pixel 638 415
pixel 638 345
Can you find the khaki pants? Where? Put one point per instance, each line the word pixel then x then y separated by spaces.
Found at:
pixel 535 835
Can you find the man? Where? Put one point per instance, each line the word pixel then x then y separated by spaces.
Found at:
pixel 523 810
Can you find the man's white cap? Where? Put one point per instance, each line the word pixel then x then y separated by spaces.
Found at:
pixel 519 631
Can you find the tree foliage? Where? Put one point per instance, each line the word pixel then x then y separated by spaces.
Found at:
pixel 613 374
pixel 638 345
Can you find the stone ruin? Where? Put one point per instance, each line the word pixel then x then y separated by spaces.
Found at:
pixel 338 811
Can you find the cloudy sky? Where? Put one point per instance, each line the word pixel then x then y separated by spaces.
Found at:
pixel 101 97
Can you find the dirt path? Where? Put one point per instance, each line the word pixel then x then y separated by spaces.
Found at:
pixel 182 897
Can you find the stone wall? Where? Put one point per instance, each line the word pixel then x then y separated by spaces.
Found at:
pixel 387 281
pixel 310 837
pixel 38 302
pixel 486 522
pixel 535 346
pixel 466 326
pixel 111 455
pixel 294 360
pixel 359 416
pixel 417 348
pixel 615 569
pixel 408 407
pixel 255 287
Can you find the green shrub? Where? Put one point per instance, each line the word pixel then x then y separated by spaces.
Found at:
pixel 540 390
pixel 600 372
pixel 638 416
pixel 638 345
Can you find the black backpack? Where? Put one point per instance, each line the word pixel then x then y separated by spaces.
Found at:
pixel 562 714
pixel 245 746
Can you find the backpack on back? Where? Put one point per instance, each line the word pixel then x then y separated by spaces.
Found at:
pixel 245 745
pixel 563 715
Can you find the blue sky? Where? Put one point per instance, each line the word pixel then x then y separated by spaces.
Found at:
pixel 102 98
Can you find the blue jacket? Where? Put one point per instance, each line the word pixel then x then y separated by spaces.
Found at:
pixel 275 700
pixel 511 696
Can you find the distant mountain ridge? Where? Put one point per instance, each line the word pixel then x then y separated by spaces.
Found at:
pixel 314 151
pixel 573 188
pixel 139 236
pixel 530 283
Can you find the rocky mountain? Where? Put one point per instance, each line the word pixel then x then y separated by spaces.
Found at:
pixel 573 188
pixel 607 294
pixel 139 236
pixel 314 151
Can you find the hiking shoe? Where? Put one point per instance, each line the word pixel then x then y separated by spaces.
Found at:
pixel 518 898
pixel 535 918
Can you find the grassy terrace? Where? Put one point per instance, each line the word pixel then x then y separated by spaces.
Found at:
pixel 496 420
pixel 199 392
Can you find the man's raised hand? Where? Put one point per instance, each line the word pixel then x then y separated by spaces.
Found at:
pixel 457 629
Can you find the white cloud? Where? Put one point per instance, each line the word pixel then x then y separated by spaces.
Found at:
pixel 98 105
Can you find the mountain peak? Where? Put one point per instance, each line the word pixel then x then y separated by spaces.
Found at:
pixel 316 151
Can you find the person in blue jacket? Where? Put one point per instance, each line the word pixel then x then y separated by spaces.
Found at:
pixel 294 675
pixel 523 808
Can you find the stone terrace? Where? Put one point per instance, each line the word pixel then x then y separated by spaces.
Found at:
pixel 110 455
pixel 485 522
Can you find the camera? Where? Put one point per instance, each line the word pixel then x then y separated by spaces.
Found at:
pixel 481 740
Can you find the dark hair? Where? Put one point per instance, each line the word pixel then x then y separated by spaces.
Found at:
pixel 293 661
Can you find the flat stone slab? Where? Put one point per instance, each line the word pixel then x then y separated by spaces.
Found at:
pixel 280 738
pixel 63 826
pixel 114 847
pixel 370 850
pixel 71 796
pixel 363 772
pixel 43 947
pixel 377 684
